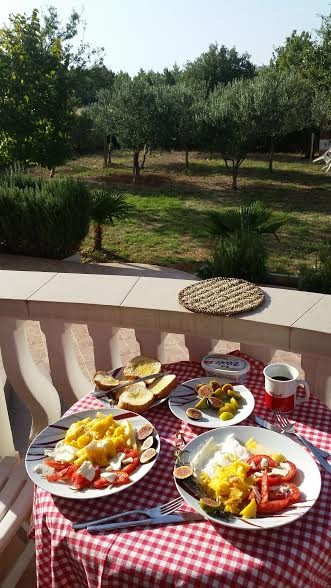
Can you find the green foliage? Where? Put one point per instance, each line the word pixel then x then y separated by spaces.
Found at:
pixel 317 278
pixel 105 207
pixel 35 94
pixel 239 247
pixel 219 65
pixel 47 220
pixel 108 205
pixel 240 255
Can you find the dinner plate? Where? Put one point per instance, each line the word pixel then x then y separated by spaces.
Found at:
pixel 184 396
pixel 112 403
pixel 47 439
pixel 307 477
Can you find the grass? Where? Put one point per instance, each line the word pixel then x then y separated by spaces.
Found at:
pixel 171 206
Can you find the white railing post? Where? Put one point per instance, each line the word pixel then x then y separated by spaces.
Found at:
pixel 152 343
pixel 31 385
pixel 198 347
pixel 263 353
pixel 65 371
pixel 6 436
pixel 318 375
pixel 106 345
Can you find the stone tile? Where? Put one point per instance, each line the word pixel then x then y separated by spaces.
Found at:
pixel 146 295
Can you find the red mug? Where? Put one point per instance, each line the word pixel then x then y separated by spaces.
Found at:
pixel 281 382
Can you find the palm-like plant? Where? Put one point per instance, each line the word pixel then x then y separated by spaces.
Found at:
pixel 105 207
pixel 252 218
pixel 239 248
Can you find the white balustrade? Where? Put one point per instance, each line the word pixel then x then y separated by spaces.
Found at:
pixel 150 307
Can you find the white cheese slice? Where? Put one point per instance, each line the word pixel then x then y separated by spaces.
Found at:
pixel 109 476
pixel 87 470
pixel 65 453
pixel 116 462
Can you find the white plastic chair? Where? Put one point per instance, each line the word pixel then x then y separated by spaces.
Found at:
pixel 326 157
pixel 42 400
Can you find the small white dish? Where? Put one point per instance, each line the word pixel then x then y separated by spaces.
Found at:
pixel 48 438
pixel 185 396
pixel 307 477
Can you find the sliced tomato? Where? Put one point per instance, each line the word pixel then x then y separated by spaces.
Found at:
pixel 255 462
pixel 264 487
pixel 131 467
pixel 101 483
pixel 275 479
pixel 272 506
pixel 131 452
pixel 121 478
pixel 286 490
pixel 81 482
pixel 56 465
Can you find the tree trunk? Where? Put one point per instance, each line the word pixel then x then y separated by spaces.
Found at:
pixel 136 168
pixel 186 158
pixel 312 139
pixel 97 234
pixel 234 177
pixel 145 152
pixel 271 153
pixel 52 172
pixel 105 152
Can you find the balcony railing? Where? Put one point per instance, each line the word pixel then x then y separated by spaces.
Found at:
pixel 289 320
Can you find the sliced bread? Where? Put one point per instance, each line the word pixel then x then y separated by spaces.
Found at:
pixel 141 366
pixel 136 397
pixel 161 387
pixel 105 381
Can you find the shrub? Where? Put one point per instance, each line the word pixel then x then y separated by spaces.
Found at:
pixel 239 246
pixel 45 219
pixel 317 278
pixel 16 175
pixel 241 255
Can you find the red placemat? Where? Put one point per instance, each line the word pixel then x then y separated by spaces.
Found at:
pixel 190 555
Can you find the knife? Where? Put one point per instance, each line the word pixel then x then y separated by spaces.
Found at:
pixel 320 454
pixel 182 517
pixel 127 383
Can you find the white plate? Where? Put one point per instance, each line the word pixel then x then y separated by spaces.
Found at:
pixel 184 396
pixel 307 477
pixel 106 403
pixel 56 431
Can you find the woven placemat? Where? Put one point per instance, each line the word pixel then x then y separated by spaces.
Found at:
pixel 222 296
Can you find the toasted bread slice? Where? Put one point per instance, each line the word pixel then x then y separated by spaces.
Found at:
pixel 105 381
pixel 141 366
pixel 161 387
pixel 136 397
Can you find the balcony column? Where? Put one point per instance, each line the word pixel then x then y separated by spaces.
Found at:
pixel 106 345
pixel 152 343
pixel 198 347
pixel 65 370
pixel 317 373
pixel 263 353
pixel 31 385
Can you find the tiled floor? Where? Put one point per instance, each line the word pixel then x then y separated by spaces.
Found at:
pixel 175 348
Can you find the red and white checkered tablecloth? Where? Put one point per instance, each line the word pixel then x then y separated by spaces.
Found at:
pixel 192 554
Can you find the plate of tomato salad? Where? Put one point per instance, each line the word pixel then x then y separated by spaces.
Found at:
pixel 65 478
pixel 281 499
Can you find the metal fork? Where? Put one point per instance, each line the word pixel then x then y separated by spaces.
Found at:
pixel 157 511
pixel 288 427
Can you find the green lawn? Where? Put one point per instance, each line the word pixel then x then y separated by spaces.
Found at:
pixel 171 206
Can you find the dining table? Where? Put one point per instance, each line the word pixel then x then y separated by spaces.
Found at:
pixel 190 554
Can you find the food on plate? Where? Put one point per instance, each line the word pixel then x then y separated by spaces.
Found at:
pixel 223 399
pixel 141 366
pixel 97 453
pixel 137 396
pixel 105 381
pixel 145 431
pixel 230 480
pixel 194 414
pixel 161 387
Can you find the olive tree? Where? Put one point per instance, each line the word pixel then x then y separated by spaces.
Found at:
pixel 283 104
pixel 230 124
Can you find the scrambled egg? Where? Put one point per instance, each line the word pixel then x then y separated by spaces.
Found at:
pixel 229 485
pixel 99 439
